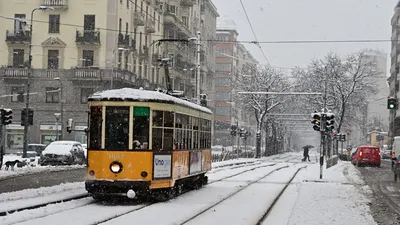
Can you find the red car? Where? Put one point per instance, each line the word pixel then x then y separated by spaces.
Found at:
pixel 367 155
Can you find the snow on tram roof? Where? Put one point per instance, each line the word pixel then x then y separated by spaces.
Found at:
pixel 130 94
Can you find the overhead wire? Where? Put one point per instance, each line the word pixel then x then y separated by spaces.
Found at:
pixel 254 33
pixel 316 41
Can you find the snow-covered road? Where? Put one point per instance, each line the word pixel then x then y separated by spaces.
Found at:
pixel 238 193
pixel 27 198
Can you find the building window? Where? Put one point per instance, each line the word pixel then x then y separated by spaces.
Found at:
pixel 223 67
pixel 18 58
pixel 52 59
pixel 223 96
pixel 223 111
pixel 222 81
pixel 17 94
pixel 88 58
pixel 85 93
pixel 52 95
pixel 54 24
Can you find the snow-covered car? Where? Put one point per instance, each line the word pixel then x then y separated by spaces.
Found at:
pixel 63 153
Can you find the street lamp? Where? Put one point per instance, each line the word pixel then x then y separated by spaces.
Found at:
pixel 28 80
pixel 198 71
pixel 112 71
pixel 61 106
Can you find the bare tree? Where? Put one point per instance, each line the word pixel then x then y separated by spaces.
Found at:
pixel 264 79
pixel 349 80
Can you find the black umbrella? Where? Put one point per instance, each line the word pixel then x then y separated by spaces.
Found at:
pixel 308 146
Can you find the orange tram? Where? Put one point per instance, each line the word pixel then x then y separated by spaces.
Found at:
pixel 146 144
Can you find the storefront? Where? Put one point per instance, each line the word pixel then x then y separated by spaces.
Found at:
pixel 14 137
pixel 48 133
pixel 80 134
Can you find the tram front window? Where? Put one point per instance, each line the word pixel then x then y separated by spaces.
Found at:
pixel 95 127
pixel 141 125
pixel 117 128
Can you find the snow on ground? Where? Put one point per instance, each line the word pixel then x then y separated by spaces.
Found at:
pixel 336 199
pixel 31 168
pixel 13 200
pixel 38 192
pixel 35 168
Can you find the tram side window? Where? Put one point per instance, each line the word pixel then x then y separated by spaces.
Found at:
pixel 141 125
pixel 95 127
pixel 117 127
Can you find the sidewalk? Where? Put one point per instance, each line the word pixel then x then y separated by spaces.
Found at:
pixel 339 198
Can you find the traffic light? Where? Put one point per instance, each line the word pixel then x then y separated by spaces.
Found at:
pixel 30 116
pixel 392 103
pixel 203 100
pixel 343 137
pixel 330 121
pixel 242 131
pixel 6 116
pixel 69 125
pixel 316 121
pixel 233 130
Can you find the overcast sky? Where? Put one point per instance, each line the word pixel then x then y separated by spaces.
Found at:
pixel 275 20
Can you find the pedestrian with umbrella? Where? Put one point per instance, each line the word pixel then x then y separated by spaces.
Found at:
pixel 306 151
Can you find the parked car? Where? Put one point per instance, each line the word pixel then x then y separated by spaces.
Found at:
pixel 63 153
pixel 387 154
pixel 367 155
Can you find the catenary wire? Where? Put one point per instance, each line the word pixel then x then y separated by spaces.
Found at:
pixel 254 33
pixel 316 41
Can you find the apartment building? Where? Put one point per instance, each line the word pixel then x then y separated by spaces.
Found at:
pixel 232 61
pixel 183 19
pixel 393 80
pixel 78 48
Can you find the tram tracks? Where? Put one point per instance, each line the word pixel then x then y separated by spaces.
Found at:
pixel 126 211
pixel 243 188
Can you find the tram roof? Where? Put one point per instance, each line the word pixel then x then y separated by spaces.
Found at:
pixel 138 95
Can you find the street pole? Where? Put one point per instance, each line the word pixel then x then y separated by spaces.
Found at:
pixel 61 108
pixel 198 67
pixel 57 135
pixel 237 134
pixel 323 132
pixel 28 82
pixel 2 144
pixel 28 87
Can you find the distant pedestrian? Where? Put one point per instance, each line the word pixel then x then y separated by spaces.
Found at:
pixel 305 154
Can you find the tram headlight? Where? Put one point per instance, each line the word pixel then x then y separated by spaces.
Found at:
pixel 116 167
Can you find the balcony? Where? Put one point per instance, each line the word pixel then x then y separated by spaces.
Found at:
pixel 14 73
pixel 19 37
pixel 56 4
pixel 139 18
pixel 187 3
pixel 150 25
pixel 90 37
pixel 123 40
pixel 86 74
pixel 144 53
pixel 123 75
pixel 171 20
pixel 155 58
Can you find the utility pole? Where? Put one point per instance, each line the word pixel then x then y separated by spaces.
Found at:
pixel 323 131
pixel 198 67
pixel 28 80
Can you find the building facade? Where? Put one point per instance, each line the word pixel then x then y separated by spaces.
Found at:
pixel 376 112
pixel 393 80
pixel 232 61
pixel 183 20
pixel 78 48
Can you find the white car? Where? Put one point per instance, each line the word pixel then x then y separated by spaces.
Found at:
pixel 63 153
